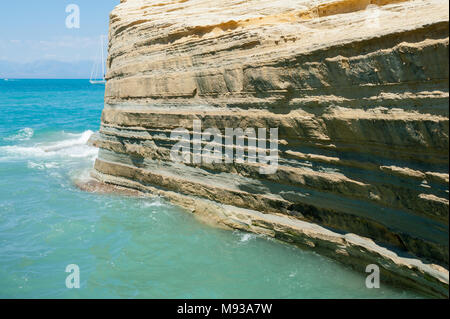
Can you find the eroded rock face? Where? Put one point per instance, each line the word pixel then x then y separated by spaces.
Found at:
pixel 358 90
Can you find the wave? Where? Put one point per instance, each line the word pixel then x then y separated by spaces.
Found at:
pixel 244 237
pixel 41 166
pixel 23 135
pixel 73 148
pixel 155 202
pixel 70 143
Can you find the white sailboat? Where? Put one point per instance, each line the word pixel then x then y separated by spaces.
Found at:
pixel 98 69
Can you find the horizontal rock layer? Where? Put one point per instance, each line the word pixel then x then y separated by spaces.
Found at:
pixel 357 89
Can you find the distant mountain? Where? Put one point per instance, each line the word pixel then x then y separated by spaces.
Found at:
pixel 46 69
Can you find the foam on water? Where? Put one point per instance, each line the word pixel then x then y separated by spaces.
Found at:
pixel 72 148
pixel 23 135
pixel 246 237
pixel 155 202
pixel 66 144
pixel 42 166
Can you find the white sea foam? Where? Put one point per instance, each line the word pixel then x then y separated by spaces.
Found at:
pixel 73 148
pixel 81 140
pixel 43 166
pixel 34 165
pixel 82 176
pixel 51 165
pixel 246 237
pixel 156 202
pixel 23 135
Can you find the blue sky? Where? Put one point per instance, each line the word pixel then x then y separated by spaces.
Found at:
pixel 36 30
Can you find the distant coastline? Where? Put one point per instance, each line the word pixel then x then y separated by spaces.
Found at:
pixel 45 69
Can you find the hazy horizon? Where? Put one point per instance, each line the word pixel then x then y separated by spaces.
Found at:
pixel 46 69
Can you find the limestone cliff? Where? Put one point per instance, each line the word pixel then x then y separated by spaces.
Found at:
pixel 358 90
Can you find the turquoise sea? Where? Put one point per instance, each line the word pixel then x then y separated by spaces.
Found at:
pixel 125 247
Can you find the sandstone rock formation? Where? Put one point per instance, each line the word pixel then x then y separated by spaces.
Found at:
pixel 358 90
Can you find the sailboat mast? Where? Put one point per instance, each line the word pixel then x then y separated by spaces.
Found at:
pixel 94 74
pixel 103 58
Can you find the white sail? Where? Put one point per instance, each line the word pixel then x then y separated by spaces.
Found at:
pixel 98 69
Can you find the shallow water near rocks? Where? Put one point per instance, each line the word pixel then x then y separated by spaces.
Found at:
pixel 125 247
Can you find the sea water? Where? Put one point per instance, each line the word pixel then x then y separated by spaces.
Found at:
pixel 125 247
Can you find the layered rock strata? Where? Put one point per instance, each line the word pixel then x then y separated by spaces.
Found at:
pixel 358 90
